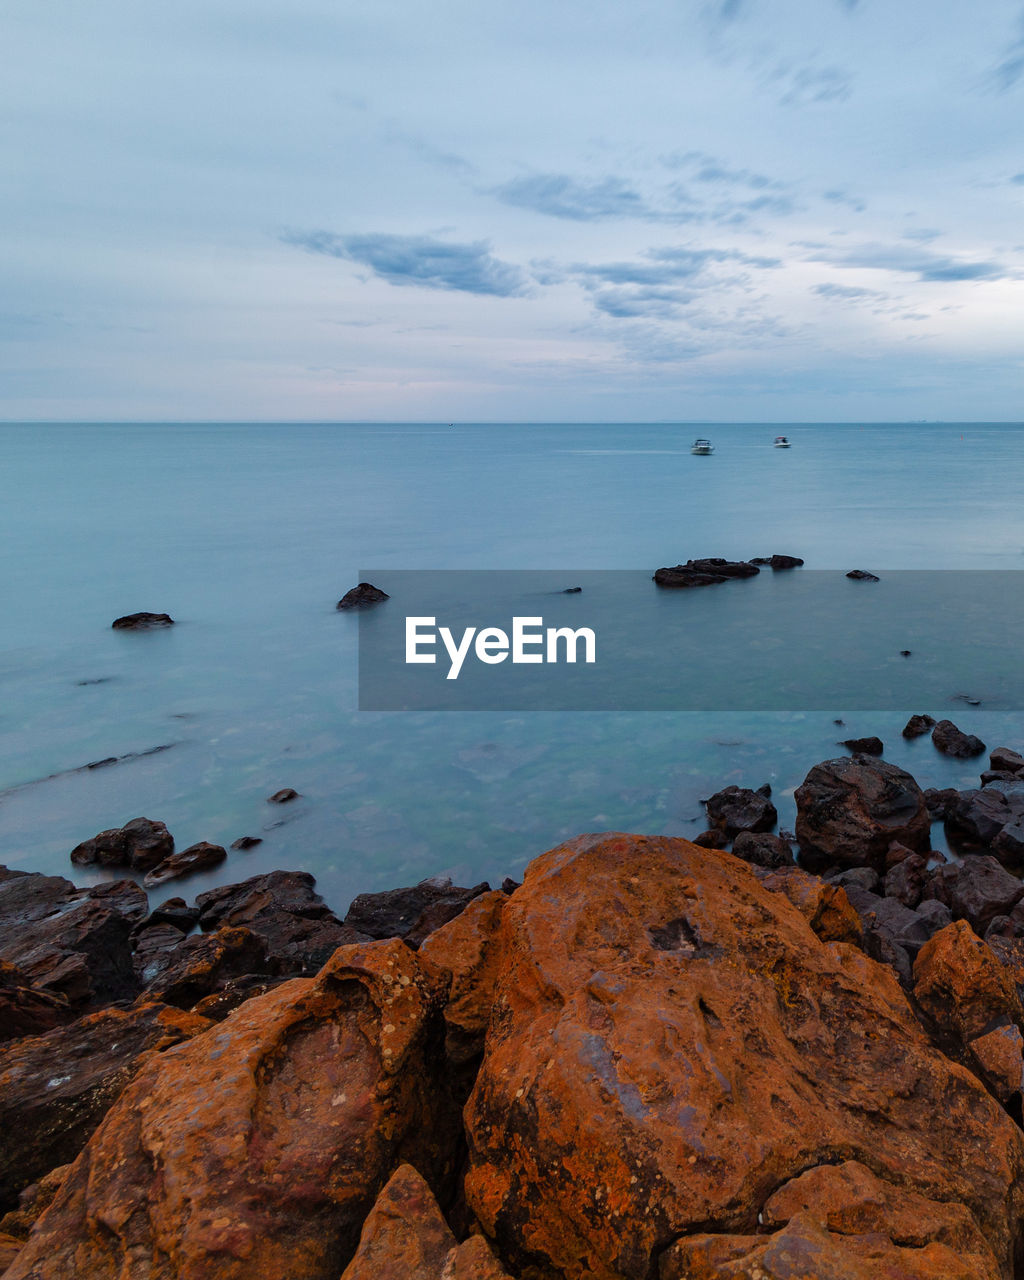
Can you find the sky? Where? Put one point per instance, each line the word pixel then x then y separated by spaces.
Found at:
pixel 667 210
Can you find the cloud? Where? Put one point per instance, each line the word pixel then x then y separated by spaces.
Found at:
pixel 420 260
pixel 917 262
pixel 1018 179
pixel 808 86
pixel 922 234
pixel 847 292
pixel 1010 69
pixel 839 196
pixel 560 196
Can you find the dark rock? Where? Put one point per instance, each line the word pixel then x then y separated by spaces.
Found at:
pixel 975 818
pixel 209 964
pixel 763 849
pixel 509 886
pixel 891 922
pixel 283 796
pixel 67 941
pixel 765 789
pixel 865 746
pixel 33 1200
pixel 24 1011
pixel 55 1088
pixel 361 596
pixel 850 810
pixel 935 914
pixel 777 562
pixel 197 857
pixel 142 621
pixel 1009 843
pixel 125 896
pixel 904 653
pixel 712 839
pixel 989 777
pixel 940 800
pixel 174 911
pixel 862 575
pixel 858 877
pixel 300 930
pixel 1008 761
pixel 410 913
pixel 1007 926
pixel 896 853
pixel 571 591
pixel 918 726
pixel 704 573
pixel 952 741
pixel 906 880
pixel 246 842
pixel 966 697
pixel 977 890
pixel 735 809
pixel 839 722
pixel 139 844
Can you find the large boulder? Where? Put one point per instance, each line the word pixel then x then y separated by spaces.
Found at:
pixel 671 1046
pixel 975 818
pixel 411 913
pixel 139 844
pixel 976 889
pixel 850 810
pixel 56 1088
pixel 258 1149
pixel 961 985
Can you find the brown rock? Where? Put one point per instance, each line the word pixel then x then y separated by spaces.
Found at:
pixel 469 948
pixel 473 1260
pixel 976 889
pixel 208 964
pixel 362 595
pixel 850 810
pixel 258 1149
pixel 918 726
pixel 24 1011
pixel 56 1088
pixel 906 880
pixel 952 741
pixel 1006 761
pixel 142 621
pixel 405 1236
pixel 411 913
pixel 864 746
pixel 10 1247
pixel 670 1044
pixel 31 1203
pixel 736 809
pixel 197 857
pixel 763 849
pixel 961 985
pixel 712 839
pixel 283 796
pixel 824 906
pixel 1000 1056
pixel 139 844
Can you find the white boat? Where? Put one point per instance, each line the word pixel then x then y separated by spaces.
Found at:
pixel 781 442
pixel 702 446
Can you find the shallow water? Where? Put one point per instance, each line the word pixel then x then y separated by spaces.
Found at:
pixel 248 534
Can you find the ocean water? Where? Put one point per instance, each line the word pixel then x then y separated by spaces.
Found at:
pixel 249 534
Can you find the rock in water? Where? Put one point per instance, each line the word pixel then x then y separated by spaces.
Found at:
pixel 850 810
pixel 918 726
pixel 671 1047
pixel 952 741
pixel 139 844
pixel 197 857
pixel 283 796
pixel 704 573
pixel 735 809
pixel 142 621
pixel 258 1149
pixel 862 575
pixel 864 746
pixel 361 596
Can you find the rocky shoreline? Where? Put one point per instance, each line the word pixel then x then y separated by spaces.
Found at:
pixel 654 1059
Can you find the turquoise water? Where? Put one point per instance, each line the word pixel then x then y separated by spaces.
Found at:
pixel 248 535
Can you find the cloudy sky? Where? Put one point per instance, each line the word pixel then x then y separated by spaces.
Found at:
pixel 534 210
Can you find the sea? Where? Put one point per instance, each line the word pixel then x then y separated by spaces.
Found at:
pixel 248 534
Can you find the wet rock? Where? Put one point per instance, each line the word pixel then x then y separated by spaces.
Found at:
pixel 300 930
pixel 197 857
pixel 24 1011
pixel 410 913
pixel 862 575
pixel 246 842
pixel 857 877
pixel 783 562
pixel 142 621
pixel 906 880
pixel 571 591
pixel 152 947
pixel 1007 761
pixel 762 848
pixel 850 810
pixel 55 1088
pixel 865 746
pixel 67 941
pixel 139 844
pixel 952 741
pixel 259 1148
pixel 361 596
pixel 283 796
pixel 940 800
pixel 704 573
pixel 918 726
pixel 405 1236
pixel 712 839
pixel 645 987
pixel 961 985
pixel 977 890
pixel 736 809
pixel 468 948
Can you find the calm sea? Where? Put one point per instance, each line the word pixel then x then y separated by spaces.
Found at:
pixel 248 535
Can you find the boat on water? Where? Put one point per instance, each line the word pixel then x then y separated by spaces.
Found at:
pixel 781 442
pixel 701 445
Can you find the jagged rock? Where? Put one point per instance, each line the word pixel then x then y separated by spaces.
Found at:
pixel 704 573
pixel 153 947
pixel 975 818
pixel 1000 1056
pixel 410 913
pixel 859 877
pixel 176 912
pixel 1006 761
pixel 862 575
pixel 864 746
pixel 940 800
pixel 850 810
pixel 1008 844
pixel 405 1236
pixel 142 621
pixel 712 839
pixel 139 844
pixel 918 726
pixel 32 1201
pixel 56 1088
pixel 361 596
pixel 671 1044
pixel 300 930
pixel 469 948
pixel 24 1011
pixel 197 857
pixel 208 964
pixel 259 1148
pixel 962 986
pixel 473 1260
pixel 977 889
pixel 824 906
pixel 763 848
pixel 906 880
pixel 952 741
pixel 736 809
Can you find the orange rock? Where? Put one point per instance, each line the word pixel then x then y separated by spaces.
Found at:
pixel 10 1247
pixel 468 947
pixel 961 985
pixel 671 1043
pixel 405 1236
pixel 1000 1058
pixel 824 906
pixel 473 1260
pixel 257 1149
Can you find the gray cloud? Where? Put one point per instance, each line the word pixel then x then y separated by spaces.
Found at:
pixel 839 196
pixel 1011 67
pixel 420 260
pixel 1018 178
pixel 808 86
pixel 917 262
pixel 847 292
pixel 560 196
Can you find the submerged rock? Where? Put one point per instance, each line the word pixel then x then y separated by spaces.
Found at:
pixel 361 596
pixel 142 621
pixel 283 796
pixel 778 562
